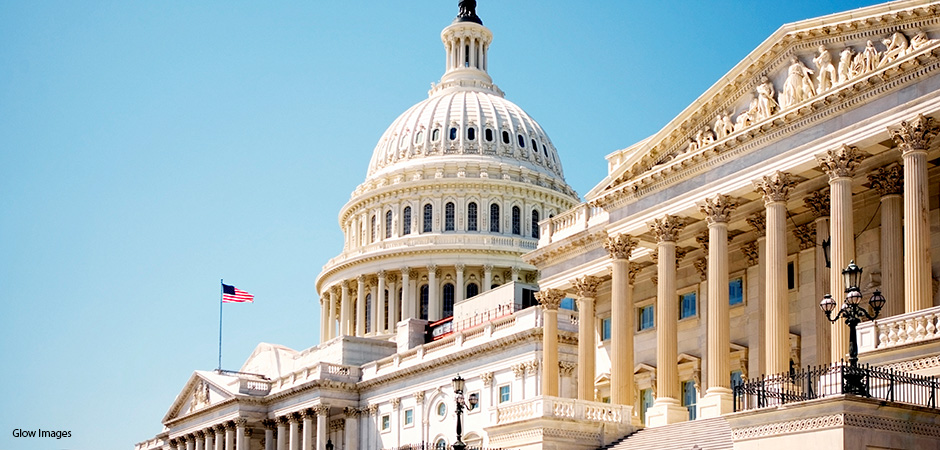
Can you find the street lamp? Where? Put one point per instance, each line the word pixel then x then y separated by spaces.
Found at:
pixel 329 444
pixel 459 384
pixel 853 314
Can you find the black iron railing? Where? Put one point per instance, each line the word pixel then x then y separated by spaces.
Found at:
pixel 839 378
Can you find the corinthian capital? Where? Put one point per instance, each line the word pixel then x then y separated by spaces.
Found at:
pixel 818 203
pixel 634 269
pixel 775 187
pixel 550 299
pixel 620 246
pixel 806 234
pixel 888 180
pixel 914 135
pixel 840 162
pixel 758 222
pixel 667 229
pixel 718 208
pixel 751 252
pixel 586 286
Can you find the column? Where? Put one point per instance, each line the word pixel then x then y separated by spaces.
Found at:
pixel 667 409
pixel 395 417
pixel 229 435
pixel 323 425
pixel 460 288
pixel 514 270
pixel 586 290
pixel 840 165
pixel 333 301
pixel 393 302
pixel 890 184
pixel 324 329
pixel 344 310
pixel 294 439
pixel 351 430
pixel 407 302
pixel 913 139
pixel 283 439
pixel 818 204
pixel 550 299
pixel 190 442
pixel 378 306
pixel 776 189
pixel 268 433
pixel 210 438
pixel 200 438
pixel 718 397
pixel 220 437
pixel 621 319
pixel 361 305
pixel 307 431
pixel 374 320
pixel 487 277
pixel 241 434
pixel 419 412
pixel 434 303
pixel 518 387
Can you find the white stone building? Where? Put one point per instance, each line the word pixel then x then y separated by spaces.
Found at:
pixel 696 263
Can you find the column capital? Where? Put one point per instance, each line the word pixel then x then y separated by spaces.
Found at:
pixel 888 180
pixel 487 378
pixel 818 203
pixel 667 228
pixel 775 187
pixel 419 397
pixel 322 409
pixel 758 222
pixel 840 162
pixel 751 252
pixel 620 246
pixel 219 428
pixel 487 267
pixel 229 425
pixel 351 412
pixel 269 424
pixel 718 209
pixel 295 417
pixel 518 370
pixel 432 268
pixel 567 368
pixel 806 234
pixel 634 269
pixel 381 274
pixel 200 434
pixel 586 286
pixel 308 414
pixel 361 278
pixel 914 135
pixel 701 266
pixel 395 402
pixel 283 420
pixel 372 409
pixel 702 240
pixel 550 299
pixel 460 267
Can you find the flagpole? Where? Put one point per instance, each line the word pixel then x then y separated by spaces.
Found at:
pixel 221 292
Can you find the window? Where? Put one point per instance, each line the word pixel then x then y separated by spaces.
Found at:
pixel 472 216
pixel 441 409
pixel 428 216
pixel 386 422
pixel 475 397
pixel 368 312
pixel 424 303
pixel 544 150
pixel 737 378
pixel 449 216
pixel 419 136
pixel 791 275
pixel 516 220
pixel 535 224
pixel 504 394
pixel 453 133
pixel 521 141
pixel 448 300
pixel 488 134
pixel 687 305
pixel 373 229
pixel 473 290
pixel 409 417
pixel 646 318
pixel 386 304
pixel 689 397
pixel 736 291
pixel 646 402
pixel 569 304
pixel 605 329
pixel 471 134
pixel 535 147
pixel 388 224
pixel 505 137
pixel 441 444
pixel 406 221
pixel 494 218
pixel 436 135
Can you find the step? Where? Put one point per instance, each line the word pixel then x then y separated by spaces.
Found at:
pixel 707 434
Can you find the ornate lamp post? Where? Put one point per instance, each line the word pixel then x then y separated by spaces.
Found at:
pixel 459 384
pixel 853 314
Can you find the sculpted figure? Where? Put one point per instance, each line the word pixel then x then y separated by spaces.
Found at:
pixel 794 89
pixel 895 48
pixel 919 40
pixel 870 58
pixel 746 118
pixel 723 125
pixel 825 71
pixel 766 105
pixel 845 65
pixel 706 137
pixel 693 145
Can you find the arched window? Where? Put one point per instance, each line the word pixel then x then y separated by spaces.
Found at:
pixel 472 290
pixel 521 141
pixel 535 224
pixel 448 300
pixel 388 224
pixel 436 135
pixel 428 215
pixel 516 220
pixel 441 444
pixel 373 229
pixel 494 218
pixel 488 134
pixel 406 221
pixel 385 308
pixel 449 216
pixel 368 313
pixel 472 216
pixel 453 133
pixel 424 302
pixel 471 134
pixel 505 137
pixel 419 136
pixel 535 147
pixel 397 317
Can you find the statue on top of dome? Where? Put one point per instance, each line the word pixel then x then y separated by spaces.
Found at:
pixel 468 12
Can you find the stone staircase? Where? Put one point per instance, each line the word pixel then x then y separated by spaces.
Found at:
pixel 704 434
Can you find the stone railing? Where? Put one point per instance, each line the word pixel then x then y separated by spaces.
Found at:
pixel 319 371
pixel 151 444
pixel 519 243
pixel 570 222
pixel 918 326
pixel 563 409
pixel 249 386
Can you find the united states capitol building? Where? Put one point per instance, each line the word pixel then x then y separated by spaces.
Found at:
pixel 676 306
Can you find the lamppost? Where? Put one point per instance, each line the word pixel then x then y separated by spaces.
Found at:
pixel 459 384
pixel 853 314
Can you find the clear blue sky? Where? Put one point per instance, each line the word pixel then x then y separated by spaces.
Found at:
pixel 148 149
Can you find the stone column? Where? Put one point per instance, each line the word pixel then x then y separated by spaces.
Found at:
pixel 220 437
pixel 324 328
pixel 268 434
pixel 621 319
pixel 434 302
pixel 461 293
pixel 756 253
pixel 190 441
pixel 331 328
pixel 210 438
pixel 345 308
pixel 550 299
pixel 294 440
pixel 283 439
pixel 818 204
pixel 323 425
pixel 241 431
pixel 487 277
pixel 378 305
pixel 667 409
pixel 586 291
pixel 361 305
pixel 840 165
pixel 200 438
pixel 890 184
pixel 913 139
pixel 351 430
pixel 308 417
pixel 393 302
pixel 718 397
pixel 419 413
pixel 229 435
pixel 407 301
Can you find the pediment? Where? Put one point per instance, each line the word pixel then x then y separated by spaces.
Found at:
pixel 777 88
pixel 200 392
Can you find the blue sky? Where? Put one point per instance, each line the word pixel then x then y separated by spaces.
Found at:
pixel 148 149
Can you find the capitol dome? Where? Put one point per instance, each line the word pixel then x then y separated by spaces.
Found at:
pixel 453 197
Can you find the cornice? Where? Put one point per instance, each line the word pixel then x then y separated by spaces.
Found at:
pixel 580 243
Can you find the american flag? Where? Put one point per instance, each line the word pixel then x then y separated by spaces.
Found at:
pixel 231 294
